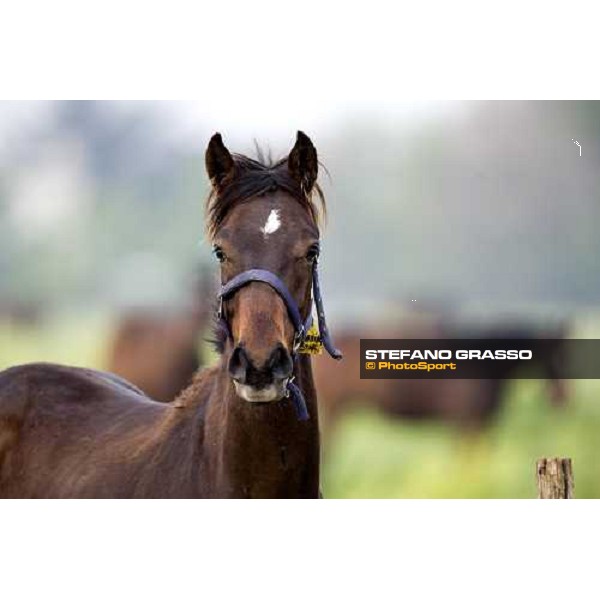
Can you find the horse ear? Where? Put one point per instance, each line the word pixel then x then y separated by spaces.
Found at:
pixel 219 163
pixel 303 163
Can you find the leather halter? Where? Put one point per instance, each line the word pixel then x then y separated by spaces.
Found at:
pixel 301 326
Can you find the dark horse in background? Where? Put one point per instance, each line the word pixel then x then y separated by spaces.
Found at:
pixel 469 403
pixel 77 433
pixel 157 350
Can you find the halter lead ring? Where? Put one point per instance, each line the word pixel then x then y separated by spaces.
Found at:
pixel 301 326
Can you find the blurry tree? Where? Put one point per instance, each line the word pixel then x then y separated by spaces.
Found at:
pixel 488 204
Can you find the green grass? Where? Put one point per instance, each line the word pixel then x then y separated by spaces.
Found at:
pixel 76 340
pixel 371 456
pixel 375 457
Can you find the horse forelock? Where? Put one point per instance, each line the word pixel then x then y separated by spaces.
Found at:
pixel 256 177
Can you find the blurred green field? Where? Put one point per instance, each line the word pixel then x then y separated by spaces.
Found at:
pixel 374 457
pixel 76 340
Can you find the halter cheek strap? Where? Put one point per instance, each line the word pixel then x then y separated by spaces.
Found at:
pixel 301 326
pixel 234 284
pixel 323 329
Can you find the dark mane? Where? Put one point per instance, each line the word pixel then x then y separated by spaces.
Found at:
pixel 219 335
pixel 256 177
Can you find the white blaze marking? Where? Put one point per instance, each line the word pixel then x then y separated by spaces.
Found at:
pixel 272 224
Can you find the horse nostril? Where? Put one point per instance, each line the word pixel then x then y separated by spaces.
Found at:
pixel 278 367
pixel 238 365
pixel 280 363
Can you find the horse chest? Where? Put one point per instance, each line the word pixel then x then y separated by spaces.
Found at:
pixel 271 471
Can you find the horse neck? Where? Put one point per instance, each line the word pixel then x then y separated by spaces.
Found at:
pixel 262 450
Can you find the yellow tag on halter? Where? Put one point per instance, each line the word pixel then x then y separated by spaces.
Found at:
pixel 312 342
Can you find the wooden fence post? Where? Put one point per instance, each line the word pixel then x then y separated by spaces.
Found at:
pixel 555 478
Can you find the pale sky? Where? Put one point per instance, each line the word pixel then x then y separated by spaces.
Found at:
pixel 271 117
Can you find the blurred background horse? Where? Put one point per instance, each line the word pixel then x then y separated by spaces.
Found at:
pixel 159 349
pixel 468 403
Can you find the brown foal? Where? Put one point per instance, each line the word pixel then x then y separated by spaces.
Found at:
pixel 233 433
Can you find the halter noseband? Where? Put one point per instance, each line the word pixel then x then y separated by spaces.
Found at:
pixel 301 326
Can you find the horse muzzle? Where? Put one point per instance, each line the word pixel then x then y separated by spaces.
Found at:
pixel 267 383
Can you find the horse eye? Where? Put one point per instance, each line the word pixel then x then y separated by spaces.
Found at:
pixel 220 255
pixel 312 254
